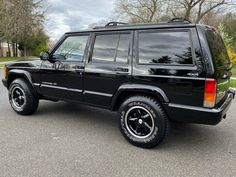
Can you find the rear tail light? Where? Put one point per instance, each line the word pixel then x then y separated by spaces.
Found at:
pixel 210 93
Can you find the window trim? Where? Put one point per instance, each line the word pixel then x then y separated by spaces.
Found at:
pixel 62 41
pixel 164 31
pixel 90 61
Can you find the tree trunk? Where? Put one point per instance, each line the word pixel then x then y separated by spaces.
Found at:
pixel 9 49
pixel 25 51
pixel 13 49
pixel 16 50
pixel 1 49
pixel 187 14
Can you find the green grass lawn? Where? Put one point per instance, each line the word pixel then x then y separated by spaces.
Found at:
pixel 233 71
pixel 233 83
pixel 6 59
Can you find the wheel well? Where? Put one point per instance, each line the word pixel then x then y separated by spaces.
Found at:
pixel 124 95
pixel 11 78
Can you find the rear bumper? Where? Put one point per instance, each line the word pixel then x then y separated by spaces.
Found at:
pixel 4 81
pixel 190 114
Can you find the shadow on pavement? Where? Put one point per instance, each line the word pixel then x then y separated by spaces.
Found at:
pixel 187 136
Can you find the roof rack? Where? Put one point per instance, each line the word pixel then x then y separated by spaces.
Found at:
pixel 111 24
pixel 177 20
pixel 174 21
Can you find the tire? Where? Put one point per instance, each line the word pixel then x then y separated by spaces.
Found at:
pixel 22 97
pixel 143 121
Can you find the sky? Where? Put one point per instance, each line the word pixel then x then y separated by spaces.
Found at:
pixel 70 15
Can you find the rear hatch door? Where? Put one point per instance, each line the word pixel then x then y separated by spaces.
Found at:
pixel 221 62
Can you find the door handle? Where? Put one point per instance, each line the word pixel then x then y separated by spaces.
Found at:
pixel 79 69
pixel 121 70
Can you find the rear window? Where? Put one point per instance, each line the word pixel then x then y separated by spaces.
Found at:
pixel 217 48
pixel 172 48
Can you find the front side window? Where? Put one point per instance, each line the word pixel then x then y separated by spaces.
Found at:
pixel 72 48
pixel 165 48
pixel 111 48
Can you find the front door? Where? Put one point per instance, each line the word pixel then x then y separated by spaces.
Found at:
pixel 62 75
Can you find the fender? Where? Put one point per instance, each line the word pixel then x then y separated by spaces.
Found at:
pixel 18 72
pixel 139 88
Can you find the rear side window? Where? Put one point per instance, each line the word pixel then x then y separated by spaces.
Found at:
pixel 165 48
pixel 111 48
pixel 217 48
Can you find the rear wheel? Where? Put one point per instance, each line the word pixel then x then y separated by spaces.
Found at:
pixel 22 98
pixel 143 121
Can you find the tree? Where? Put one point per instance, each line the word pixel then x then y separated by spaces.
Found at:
pixel 201 7
pixel 35 43
pixel 228 21
pixel 157 10
pixel 228 40
pixel 20 21
pixel 140 10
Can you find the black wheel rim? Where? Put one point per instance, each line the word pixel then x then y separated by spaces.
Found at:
pixel 18 97
pixel 139 122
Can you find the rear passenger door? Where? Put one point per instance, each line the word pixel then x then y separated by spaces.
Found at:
pixel 108 66
pixel 171 59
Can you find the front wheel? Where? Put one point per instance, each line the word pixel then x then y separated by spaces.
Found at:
pixel 143 121
pixel 22 97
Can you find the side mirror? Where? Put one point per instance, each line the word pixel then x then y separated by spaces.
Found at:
pixel 44 56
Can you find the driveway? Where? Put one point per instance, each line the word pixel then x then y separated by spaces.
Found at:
pixel 68 140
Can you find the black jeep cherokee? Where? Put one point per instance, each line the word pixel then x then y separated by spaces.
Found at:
pixel 150 73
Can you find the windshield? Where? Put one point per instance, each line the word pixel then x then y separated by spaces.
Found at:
pixel 217 48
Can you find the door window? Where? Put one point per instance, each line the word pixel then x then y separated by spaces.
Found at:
pixel 72 48
pixel 111 48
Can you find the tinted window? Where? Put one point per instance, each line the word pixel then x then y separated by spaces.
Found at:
pixel 111 48
pixel 217 48
pixel 105 48
pixel 165 48
pixel 123 48
pixel 72 48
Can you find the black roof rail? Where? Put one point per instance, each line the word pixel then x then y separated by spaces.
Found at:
pixel 111 24
pixel 179 20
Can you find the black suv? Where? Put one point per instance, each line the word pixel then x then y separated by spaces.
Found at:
pixel 150 73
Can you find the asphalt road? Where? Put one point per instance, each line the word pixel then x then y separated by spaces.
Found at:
pixel 68 140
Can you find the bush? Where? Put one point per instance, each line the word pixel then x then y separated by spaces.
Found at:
pixel 232 55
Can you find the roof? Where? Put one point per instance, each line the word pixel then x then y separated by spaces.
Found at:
pixel 117 26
